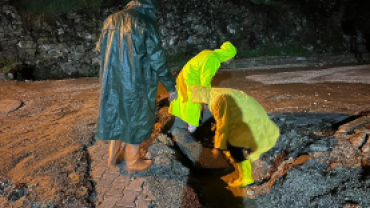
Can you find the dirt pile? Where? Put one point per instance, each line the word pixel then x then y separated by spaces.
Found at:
pixel 335 170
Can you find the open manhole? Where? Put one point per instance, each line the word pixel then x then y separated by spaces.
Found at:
pixel 7 106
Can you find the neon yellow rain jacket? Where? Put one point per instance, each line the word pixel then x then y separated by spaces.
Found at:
pixel 240 120
pixel 198 71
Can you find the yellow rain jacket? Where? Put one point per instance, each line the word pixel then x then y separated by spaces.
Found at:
pixel 198 71
pixel 240 120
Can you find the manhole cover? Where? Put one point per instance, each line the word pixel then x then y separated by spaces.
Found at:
pixel 7 106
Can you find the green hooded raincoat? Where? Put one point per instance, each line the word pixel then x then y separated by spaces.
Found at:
pixel 240 120
pixel 198 71
pixel 132 64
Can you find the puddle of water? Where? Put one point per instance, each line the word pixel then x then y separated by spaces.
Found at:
pixel 217 193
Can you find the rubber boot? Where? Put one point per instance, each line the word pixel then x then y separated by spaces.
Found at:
pixel 133 161
pixel 115 150
pixel 245 175
pixel 237 182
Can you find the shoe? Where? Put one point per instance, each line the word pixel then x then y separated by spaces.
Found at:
pixel 133 161
pixel 245 175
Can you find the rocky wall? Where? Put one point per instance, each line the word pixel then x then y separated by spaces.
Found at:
pixel 60 45
pixel 63 46
pixel 12 34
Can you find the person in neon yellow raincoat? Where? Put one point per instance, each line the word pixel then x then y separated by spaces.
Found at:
pixel 198 71
pixel 241 124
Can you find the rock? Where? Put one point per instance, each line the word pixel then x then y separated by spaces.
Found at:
pixel 231 29
pixel 163 31
pixel 178 124
pixel 348 127
pixel 74 177
pixel 318 148
pixel 364 129
pixel 189 146
pixel 344 153
pixel 334 165
pixel 165 140
pixel 192 40
pixel 315 186
pixel 26 44
pixel 44 47
pixel 261 170
pixel 301 59
pixel 10 75
pixel 357 139
pixel 366 147
pixel 159 148
pixel 321 157
pixel 88 36
pixel 250 192
pixel 173 40
pixel 351 206
pixel 95 61
pixel 162 160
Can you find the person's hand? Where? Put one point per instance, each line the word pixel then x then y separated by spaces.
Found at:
pixel 246 152
pixel 215 152
pixel 173 96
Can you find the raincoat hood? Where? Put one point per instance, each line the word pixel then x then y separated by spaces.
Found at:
pixel 147 7
pixel 226 52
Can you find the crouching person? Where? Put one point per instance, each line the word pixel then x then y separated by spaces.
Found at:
pixel 242 124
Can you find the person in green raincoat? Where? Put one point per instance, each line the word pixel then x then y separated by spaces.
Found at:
pixel 132 64
pixel 242 125
pixel 198 71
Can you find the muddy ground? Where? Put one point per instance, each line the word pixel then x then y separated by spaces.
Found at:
pixel 43 144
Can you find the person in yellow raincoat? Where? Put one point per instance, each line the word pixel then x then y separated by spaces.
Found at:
pixel 241 124
pixel 198 71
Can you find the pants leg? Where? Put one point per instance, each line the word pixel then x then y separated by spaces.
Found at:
pixel 244 167
pixel 236 153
